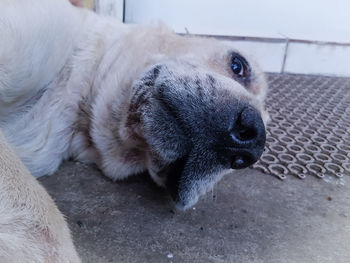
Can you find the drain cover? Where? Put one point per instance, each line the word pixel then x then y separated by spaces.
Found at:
pixel 309 132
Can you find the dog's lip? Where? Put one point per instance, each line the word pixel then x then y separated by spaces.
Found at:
pixel 169 168
pixel 173 173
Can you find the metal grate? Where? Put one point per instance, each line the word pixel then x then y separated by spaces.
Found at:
pixel 309 132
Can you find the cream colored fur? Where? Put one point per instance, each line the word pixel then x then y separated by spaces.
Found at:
pixel 31 227
pixel 65 87
pixel 64 58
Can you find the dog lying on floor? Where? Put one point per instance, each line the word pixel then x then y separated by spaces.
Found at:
pixel 128 98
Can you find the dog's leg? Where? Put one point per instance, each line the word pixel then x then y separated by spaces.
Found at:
pixel 31 227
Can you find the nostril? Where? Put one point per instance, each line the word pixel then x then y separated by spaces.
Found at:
pixel 242 161
pixel 247 139
pixel 245 128
pixel 237 161
pixel 246 134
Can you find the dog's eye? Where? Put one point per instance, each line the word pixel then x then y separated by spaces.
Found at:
pixel 239 65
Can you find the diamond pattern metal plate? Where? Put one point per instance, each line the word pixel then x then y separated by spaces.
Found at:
pixel 309 131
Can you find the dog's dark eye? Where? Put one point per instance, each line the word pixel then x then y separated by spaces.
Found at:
pixel 239 65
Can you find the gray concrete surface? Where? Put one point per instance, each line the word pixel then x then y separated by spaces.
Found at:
pixel 249 217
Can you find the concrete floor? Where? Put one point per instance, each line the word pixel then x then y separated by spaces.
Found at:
pixel 249 217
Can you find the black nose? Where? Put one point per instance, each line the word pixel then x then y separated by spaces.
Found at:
pixel 247 138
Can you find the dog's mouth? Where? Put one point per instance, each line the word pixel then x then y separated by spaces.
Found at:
pixel 180 121
pixel 192 175
pixel 189 177
pixel 173 173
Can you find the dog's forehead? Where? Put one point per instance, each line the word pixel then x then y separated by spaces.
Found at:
pixel 196 48
pixel 214 58
pixel 207 53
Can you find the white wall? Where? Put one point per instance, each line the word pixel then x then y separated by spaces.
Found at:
pixel 109 7
pixel 323 20
pixel 318 59
pixel 311 20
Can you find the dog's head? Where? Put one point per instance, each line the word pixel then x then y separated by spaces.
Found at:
pixel 195 115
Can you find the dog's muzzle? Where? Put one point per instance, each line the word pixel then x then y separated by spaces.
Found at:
pixel 216 150
pixel 200 129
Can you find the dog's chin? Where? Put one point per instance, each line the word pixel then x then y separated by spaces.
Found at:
pixel 185 183
pixel 190 197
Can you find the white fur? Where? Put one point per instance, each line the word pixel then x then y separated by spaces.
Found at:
pixel 55 59
pixel 63 61
pixel 31 227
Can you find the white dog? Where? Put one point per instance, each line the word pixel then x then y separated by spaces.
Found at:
pixel 128 98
